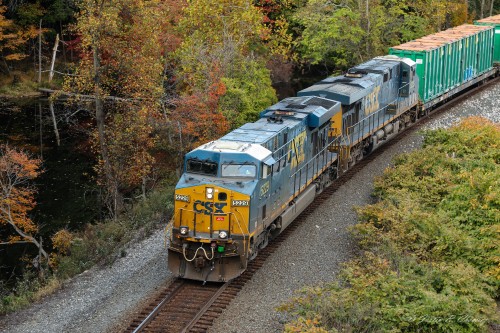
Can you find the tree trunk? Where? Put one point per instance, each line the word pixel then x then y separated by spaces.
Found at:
pixel 491 7
pixel 482 9
pixel 100 116
pixel 41 130
pixel 40 53
pixel 62 44
pixel 367 28
pixel 56 44
pixel 144 188
pixel 51 106
pixel 26 236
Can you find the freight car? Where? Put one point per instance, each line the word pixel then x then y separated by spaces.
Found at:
pixel 240 191
pixel 493 21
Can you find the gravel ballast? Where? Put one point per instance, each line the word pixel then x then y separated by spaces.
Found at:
pixel 98 299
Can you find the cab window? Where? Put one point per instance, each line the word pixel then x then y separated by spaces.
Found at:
pixel 239 170
pixel 201 167
pixel 266 170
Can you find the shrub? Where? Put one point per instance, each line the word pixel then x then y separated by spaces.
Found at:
pixel 430 260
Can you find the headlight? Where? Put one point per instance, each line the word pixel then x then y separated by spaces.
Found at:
pixel 209 192
pixel 183 230
pixel 222 234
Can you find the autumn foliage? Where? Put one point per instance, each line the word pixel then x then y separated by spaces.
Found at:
pixel 17 170
pixel 199 118
pixel 13 38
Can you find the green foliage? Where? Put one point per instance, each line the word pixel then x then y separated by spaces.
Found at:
pixel 23 293
pixel 400 295
pixel 30 14
pixel 344 33
pixel 430 260
pixel 331 34
pixel 59 11
pixel 20 84
pixel 248 92
pixel 28 289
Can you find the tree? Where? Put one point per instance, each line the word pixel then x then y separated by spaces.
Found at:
pixel 248 91
pixel 346 32
pixel 122 56
pixel 12 39
pixel 198 117
pixel 224 42
pixel 331 33
pixel 17 170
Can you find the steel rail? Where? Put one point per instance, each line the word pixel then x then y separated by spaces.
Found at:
pixel 155 311
pixel 205 308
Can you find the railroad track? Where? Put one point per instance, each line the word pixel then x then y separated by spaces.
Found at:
pixel 190 306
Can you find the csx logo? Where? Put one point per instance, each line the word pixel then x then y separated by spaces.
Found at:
pixel 208 207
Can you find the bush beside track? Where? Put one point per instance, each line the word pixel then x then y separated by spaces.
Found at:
pixel 429 257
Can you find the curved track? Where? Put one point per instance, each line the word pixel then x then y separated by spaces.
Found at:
pixel 189 306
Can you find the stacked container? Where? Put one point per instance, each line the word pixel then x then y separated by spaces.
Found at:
pixel 449 58
pixel 495 22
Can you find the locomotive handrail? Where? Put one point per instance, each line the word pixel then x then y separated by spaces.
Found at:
pixel 314 161
pixel 373 121
pixel 239 225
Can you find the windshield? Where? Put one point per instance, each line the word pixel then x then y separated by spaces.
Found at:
pixel 201 167
pixel 239 170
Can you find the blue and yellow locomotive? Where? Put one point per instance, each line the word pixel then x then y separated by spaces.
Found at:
pixel 240 191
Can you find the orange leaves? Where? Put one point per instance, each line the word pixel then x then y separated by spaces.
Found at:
pixel 17 169
pixel 12 37
pixel 199 118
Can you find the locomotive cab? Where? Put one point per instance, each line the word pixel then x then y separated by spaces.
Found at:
pixel 210 232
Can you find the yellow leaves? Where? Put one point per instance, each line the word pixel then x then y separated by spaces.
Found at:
pixel 305 325
pixel 236 20
pixel 126 36
pixel 129 141
pixel 14 239
pixel 61 241
pixel 12 37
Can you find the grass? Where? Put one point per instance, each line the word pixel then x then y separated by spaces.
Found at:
pixel 24 84
pixel 28 290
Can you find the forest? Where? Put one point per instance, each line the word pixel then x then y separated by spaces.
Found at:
pixel 163 77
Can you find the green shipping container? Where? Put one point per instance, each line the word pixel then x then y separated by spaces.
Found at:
pixel 493 21
pixel 447 59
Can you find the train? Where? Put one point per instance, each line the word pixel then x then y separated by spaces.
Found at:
pixel 239 192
